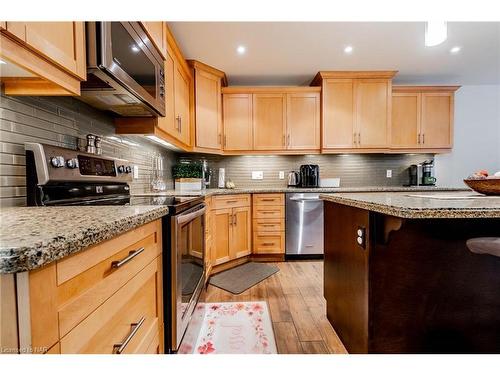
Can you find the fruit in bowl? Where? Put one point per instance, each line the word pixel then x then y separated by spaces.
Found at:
pixel 484 183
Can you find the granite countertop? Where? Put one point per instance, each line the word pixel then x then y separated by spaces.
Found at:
pixel 253 190
pixel 31 237
pixel 423 206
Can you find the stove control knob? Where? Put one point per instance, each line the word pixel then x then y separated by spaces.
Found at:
pixel 57 161
pixel 72 163
pixel 121 169
pixel 128 169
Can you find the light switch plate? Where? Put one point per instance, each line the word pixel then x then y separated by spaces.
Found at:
pixel 388 173
pixel 282 175
pixel 136 171
pixel 257 175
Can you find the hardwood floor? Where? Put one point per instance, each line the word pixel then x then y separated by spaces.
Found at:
pixel 298 309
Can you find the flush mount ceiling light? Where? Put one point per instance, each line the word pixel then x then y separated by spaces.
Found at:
pixel 436 33
pixel 348 50
pixel 455 50
pixel 241 50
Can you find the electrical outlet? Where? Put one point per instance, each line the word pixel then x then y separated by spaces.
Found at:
pixel 282 175
pixel 135 173
pixel 257 175
pixel 388 173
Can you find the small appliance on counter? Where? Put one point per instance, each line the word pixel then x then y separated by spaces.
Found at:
pixel 222 178
pixel 158 182
pixel 207 175
pixel 309 176
pixel 415 175
pixel 293 179
pixel 428 178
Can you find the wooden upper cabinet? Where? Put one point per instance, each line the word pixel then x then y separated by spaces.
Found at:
pixel 422 117
pixel 208 82
pixel 405 130
pixel 168 123
pixel 303 121
pixel 60 42
pixel 181 103
pixel 53 53
pixel 437 120
pixel 338 113
pixel 356 110
pixel 237 120
pixel 157 32
pixel 269 121
pixel 372 112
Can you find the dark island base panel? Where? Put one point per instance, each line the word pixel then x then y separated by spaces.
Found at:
pixel 422 291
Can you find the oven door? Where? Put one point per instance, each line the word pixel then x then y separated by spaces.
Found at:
pixel 187 268
pixel 129 57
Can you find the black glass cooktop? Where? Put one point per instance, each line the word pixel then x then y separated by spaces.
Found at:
pixel 175 203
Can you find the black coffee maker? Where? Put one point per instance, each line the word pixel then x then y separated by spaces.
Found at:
pixel 309 175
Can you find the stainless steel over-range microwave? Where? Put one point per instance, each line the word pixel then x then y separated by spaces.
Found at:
pixel 125 72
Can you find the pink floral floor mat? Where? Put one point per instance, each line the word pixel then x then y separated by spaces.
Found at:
pixel 236 328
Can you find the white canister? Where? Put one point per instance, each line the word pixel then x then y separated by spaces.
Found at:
pixel 222 178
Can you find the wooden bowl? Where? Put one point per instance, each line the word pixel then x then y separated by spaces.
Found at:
pixel 488 186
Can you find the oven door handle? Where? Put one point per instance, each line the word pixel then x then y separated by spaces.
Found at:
pixel 181 219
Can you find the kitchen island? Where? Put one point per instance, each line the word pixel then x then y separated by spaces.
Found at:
pixel 400 276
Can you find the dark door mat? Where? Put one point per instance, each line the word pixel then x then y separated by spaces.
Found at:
pixel 238 279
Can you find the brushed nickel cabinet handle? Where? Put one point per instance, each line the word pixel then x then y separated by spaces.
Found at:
pixel 178 119
pixel 284 141
pixel 288 139
pixel 180 124
pixel 268 199
pixel 119 348
pixel 268 225
pixel 423 138
pixel 267 243
pixel 418 138
pixel 354 137
pixel 235 219
pixel 225 140
pixel 131 255
pixel 233 201
pixel 220 138
pixel 359 138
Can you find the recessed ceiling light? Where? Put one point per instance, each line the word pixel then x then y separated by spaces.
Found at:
pixel 436 33
pixel 241 50
pixel 455 49
pixel 348 49
pixel 2 62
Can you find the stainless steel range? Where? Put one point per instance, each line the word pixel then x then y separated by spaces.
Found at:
pixel 57 176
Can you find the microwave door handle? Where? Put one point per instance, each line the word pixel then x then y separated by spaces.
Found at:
pixel 181 219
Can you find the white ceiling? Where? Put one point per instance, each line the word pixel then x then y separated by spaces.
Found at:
pixel 290 53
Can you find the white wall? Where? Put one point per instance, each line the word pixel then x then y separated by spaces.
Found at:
pixel 477 135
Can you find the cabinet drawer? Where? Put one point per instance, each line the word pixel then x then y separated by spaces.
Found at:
pixel 268 225
pixel 82 294
pixel 269 242
pixel 230 201
pixel 269 212
pixel 124 319
pixel 268 199
pixel 72 266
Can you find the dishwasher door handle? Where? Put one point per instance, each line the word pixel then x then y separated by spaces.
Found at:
pixel 306 199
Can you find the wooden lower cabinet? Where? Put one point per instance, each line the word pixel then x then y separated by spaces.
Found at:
pixel 232 228
pixel 87 303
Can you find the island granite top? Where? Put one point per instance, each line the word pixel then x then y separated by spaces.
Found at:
pixel 422 205
pixel 31 237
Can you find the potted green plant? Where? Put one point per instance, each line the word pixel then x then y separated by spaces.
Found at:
pixel 187 176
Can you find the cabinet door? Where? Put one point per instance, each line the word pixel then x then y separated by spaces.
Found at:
pixel 169 123
pixel 61 42
pixel 338 113
pixel 241 232
pixel 437 120
pixel 223 226
pixel 269 121
pixel 157 32
pixel 405 129
pixel 181 103
pixel 208 110
pixel 302 120
pixel 237 119
pixel 373 98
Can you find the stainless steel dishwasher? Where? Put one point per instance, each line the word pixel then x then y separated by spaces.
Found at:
pixel 304 224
